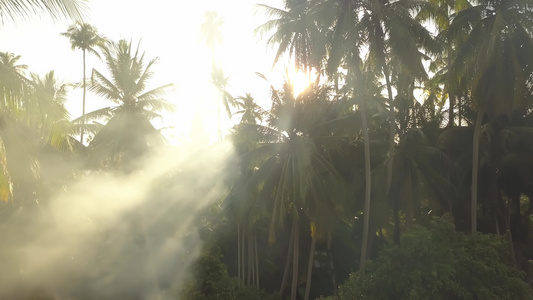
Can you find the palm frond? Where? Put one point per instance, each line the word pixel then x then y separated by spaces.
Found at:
pixel 57 9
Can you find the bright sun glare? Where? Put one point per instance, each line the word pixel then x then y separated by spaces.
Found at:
pixel 299 80
pixel 184 58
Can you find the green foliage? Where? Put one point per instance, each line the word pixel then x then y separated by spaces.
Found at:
pixel 211 281
pixel 440 263
pixel 210 278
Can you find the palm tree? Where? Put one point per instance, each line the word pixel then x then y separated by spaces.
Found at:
pixel 220 81
pixel 47 106
pixel 362 83
pixel 57 9
pixel 14 87
pixel 213 37
pixel 389 27
pixel 496 56
pixel 294 175
pixel 295 33
pixel 251 111
pixel 388 30
pixel 128 134
pixel 246 211
pixel 440 13
pixel 32 114
pixel 210 30
pixel 85 37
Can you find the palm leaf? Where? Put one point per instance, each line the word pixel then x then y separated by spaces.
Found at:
pixel 57 9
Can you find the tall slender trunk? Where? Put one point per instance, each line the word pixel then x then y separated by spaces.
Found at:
pixel 252 258
pixel 250 262
pixel 256 262
pixel 239 253
pixel 287 263
pixel 510 234
pixel 219 131
pixel 475 169
pixel 310 268
pixel 295 259
pixel 243 236
pixel 332 265
pixel 368 186
pixel 392 120
pixel 459 111
pixel 83 102
pixel 451 114
pixel 336 78
pixel 451 94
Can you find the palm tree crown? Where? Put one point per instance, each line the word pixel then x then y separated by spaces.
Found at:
pixel 85 37
pixel 129 132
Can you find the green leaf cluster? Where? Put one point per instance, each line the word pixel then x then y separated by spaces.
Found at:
pixel 210 281
pixel 438 262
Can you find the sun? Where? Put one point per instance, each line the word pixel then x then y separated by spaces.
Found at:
pixel 299 80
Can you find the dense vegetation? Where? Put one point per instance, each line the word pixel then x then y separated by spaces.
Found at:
pixel 403 172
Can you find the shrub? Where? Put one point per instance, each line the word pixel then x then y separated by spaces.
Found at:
pixel 440 263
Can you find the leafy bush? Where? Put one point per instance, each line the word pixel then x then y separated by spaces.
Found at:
pixel 210 281
pixel 440 263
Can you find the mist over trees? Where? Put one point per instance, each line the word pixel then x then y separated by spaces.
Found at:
pixel 403 171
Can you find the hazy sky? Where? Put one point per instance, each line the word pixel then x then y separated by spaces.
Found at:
pixel 169 30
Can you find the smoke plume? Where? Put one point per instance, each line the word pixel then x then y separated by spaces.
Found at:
pixel 105 236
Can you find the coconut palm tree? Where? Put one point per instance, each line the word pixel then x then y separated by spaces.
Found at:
pixel 389 33
pixel 13 85
pixel 294 32
pixel 496 56
pixel 32 114
pixel 128 134
pixel 47 106
pixel 247 212
pixel 251 111
pixel 221 82
pixel 85 37
pixel 294 178
pixel 13 88
pixel 210 30
pixel 57 9
pixel 440 13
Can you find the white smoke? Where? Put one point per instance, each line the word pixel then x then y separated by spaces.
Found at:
pixel 106 236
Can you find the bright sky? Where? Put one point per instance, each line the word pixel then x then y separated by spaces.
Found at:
pixel 169 30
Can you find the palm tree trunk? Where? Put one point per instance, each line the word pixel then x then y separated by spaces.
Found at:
pixel 332 266
pixel 368 186
pixel 451 94
pixel 243 256
pixel 250 262
pixel 459 111
pixel 252 258
pixel 392 120
pixel 83 101
pixel 475 167
pixel 510 235
pixel 219 130
pixel 310 268
pixel 451 114
pixel 256 262
pixel 239 253
pixel 287 263
pixel 295 259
